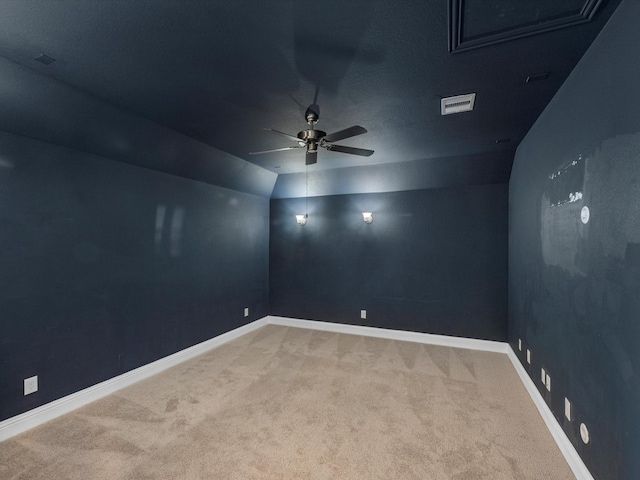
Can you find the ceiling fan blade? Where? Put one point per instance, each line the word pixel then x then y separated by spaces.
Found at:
pixel 290 137
pixel 311 158
pixel 275 150
pixel 346 133
pixel 353 151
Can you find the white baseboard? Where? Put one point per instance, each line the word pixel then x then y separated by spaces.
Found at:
pixel 25 421
pixel 428 338
pixel 32 418
pixel 564 444
pixel 576 464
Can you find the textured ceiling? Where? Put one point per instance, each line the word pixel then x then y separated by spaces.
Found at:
pixel 218 72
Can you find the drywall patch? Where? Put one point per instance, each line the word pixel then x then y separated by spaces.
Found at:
pixel 612 180
pixel 560 211
pixel 565 184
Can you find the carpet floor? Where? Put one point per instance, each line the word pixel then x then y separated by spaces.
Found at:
pixel 291 403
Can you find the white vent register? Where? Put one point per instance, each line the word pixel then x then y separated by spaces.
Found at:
pixel 457 104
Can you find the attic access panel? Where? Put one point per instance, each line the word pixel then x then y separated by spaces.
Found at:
pixel 479 23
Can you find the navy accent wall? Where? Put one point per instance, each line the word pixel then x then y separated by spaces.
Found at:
pixel 574 296
pixel 432 261
pixel 105 267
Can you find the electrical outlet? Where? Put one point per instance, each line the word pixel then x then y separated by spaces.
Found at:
pixel 363 314
pixel 246 312
pixel 520 344
pixel 567 408
pixel 30 385
pixel 543 376
pixel 547 383
pixel 528 356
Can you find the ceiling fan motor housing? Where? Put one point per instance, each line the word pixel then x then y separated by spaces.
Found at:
pixel 311 135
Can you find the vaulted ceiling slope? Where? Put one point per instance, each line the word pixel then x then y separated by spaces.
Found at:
pixel 187 87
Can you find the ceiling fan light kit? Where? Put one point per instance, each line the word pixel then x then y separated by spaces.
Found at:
pixel 311 139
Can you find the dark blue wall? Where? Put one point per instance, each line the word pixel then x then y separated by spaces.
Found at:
pixel 574 296
pixel 105 267
pixel 432 261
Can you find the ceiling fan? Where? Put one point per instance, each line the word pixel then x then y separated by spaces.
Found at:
pixel 311 139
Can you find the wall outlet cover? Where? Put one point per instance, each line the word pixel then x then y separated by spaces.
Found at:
pixel 548 382
pixel 30 385
pixel 246 312
pixel 567 409
pixel 363 314
pixel 528 356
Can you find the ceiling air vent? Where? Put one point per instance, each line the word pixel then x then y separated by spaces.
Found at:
pixel 457 104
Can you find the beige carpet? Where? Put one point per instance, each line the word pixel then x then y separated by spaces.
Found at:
pixel 288 403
